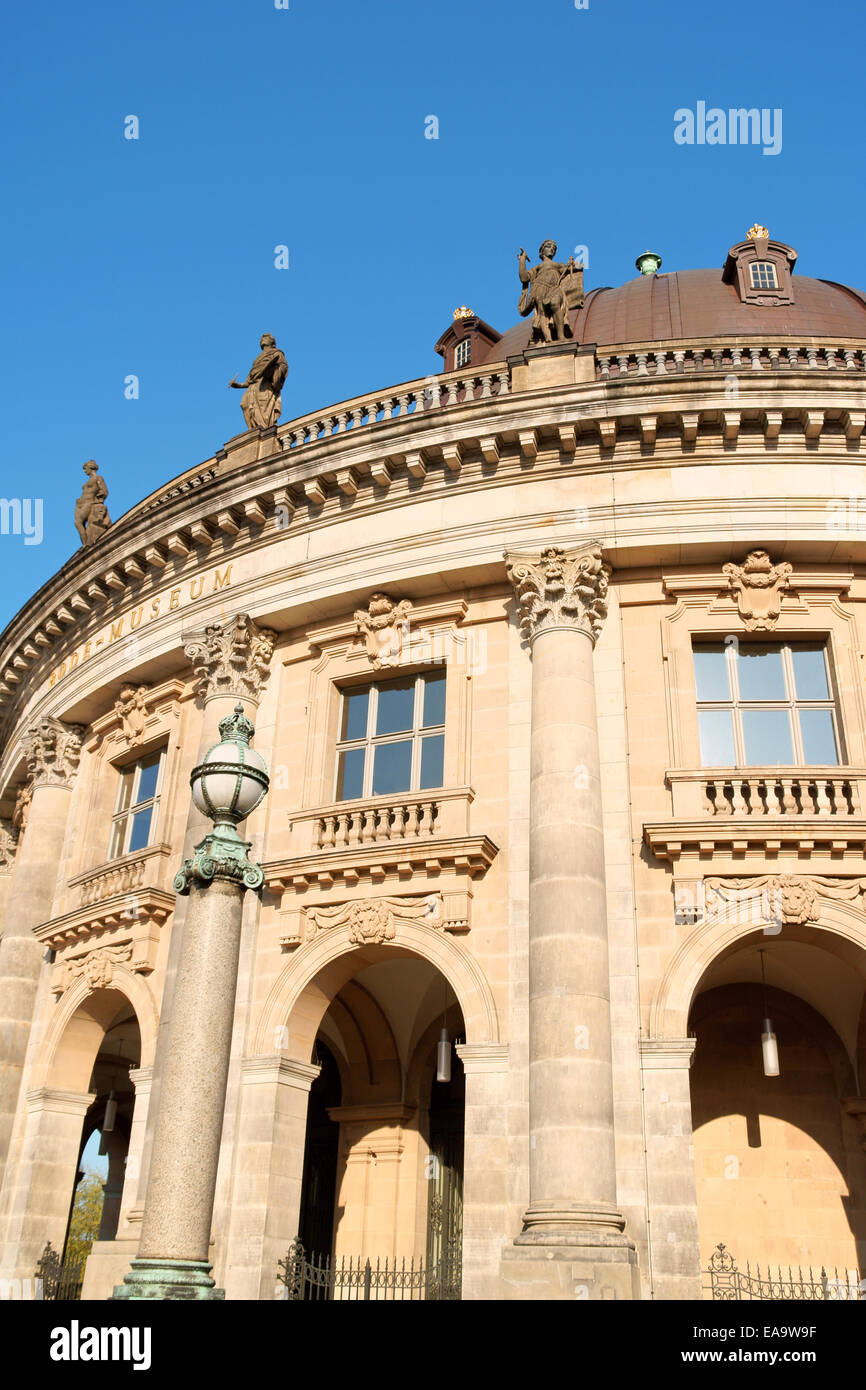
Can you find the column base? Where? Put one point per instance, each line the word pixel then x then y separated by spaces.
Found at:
pixel 600 1269
pixel 186 1280
pixel 560 1222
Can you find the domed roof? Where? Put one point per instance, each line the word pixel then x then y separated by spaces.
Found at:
pixel 700 304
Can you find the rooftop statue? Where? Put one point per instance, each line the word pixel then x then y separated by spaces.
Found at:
pixel 550 289
pixel 91 514
pixel 261 402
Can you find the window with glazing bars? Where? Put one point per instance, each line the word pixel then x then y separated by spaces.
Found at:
pixel 134 823
pixel 763 274
pixel 763 704
pixel 392 737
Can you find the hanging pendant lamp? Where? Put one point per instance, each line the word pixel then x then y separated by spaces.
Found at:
pixel 769 1044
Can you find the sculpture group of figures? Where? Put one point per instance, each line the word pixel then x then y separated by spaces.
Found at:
pixel 550 289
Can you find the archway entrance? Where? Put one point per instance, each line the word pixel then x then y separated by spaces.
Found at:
pixel 383 1154
pixel 780 1168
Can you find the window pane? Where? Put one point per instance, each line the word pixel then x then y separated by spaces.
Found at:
pixel 810 672
pixel 149 773
pixel 434 700
pixel 767 736
pixel 717 738
pixel 355 704
pixel 350 774
pixel 433 761
pixel 711 673
pixel 140 829
pixel 819 741
pixel 125 789
pixel 761 673
pixel 392 768
pixel 396 708
pixel 117 832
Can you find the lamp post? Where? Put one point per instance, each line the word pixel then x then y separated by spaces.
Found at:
pixel 172 1260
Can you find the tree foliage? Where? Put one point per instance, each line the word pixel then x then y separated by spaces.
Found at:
pixel 86 1216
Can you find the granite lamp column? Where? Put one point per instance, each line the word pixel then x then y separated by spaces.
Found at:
pixel 172 1261
pixel 562 604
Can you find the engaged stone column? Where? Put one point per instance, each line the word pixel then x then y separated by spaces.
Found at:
pixel 53 752
pixel 573 1210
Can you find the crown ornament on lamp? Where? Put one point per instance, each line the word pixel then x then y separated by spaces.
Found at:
pixel 227 786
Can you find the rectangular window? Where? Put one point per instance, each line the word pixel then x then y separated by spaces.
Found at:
pixel 392 737
pixel 763 274
pixel 135 816
pixel 765 704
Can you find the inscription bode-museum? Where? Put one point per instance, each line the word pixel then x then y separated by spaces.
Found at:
pixel 134 618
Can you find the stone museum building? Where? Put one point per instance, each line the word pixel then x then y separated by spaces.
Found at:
pixel 555 981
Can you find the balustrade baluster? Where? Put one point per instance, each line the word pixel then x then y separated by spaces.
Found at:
pixel 774 800
pixel 739 803
pixel 622 361
pixel 789 801
pixel 679 360
pixel 453 387
pixel 486 387
pixel 755 354
pixel 824 804
pixel 383 823
pixel 502 378
pixel 641 364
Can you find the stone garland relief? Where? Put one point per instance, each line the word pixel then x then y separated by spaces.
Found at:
pixel 560 589
pixel 786 899
pixel 96 966
pixel 374 920
pixel 53 751
pixel 231 658
pixel 757 585
pixel 381 625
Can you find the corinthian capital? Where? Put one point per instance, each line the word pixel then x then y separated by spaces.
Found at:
pixel 231 658
pixel 560 588
pixel 53 752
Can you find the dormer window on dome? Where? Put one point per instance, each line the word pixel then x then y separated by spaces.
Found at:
pixel 761 269
pixel 467 340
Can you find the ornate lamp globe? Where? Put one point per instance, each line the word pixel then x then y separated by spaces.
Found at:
pixel 232 779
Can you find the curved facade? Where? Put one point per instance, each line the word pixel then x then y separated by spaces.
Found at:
pixel 556 662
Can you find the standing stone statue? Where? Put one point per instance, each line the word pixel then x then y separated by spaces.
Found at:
pixel 91 514
pixel 549 290
pixel 261 402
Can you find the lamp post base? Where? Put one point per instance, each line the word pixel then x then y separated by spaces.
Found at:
pixel 182 1280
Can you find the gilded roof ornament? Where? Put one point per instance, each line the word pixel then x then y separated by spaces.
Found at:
pixel 463 312
pixel 757 233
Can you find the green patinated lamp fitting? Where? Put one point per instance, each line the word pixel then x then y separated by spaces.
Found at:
pixel 227 786
pixel 649 263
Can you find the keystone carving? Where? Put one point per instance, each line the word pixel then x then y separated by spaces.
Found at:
pixel 231 658
pixel 560 589
pixel 758 585
pixel 374 920
pixel 96 966
pixel 53 752
pixel 382 624
pixel 131 709
pixel 8 845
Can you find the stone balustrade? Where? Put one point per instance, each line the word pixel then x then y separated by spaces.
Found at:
pixel 380 820
pixel 767 791
pixel 431 393
pixel 125 875
pixel 753 355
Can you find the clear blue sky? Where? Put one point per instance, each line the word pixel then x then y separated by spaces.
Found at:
pixel 305 127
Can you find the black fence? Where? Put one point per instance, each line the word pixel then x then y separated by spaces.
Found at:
pixel 61 1279
pixel 724 1281
pixel 311 1278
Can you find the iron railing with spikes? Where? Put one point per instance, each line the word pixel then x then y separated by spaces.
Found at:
pixel 315 1278
pixel 726 1282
